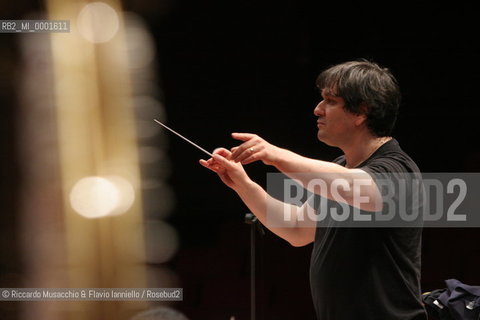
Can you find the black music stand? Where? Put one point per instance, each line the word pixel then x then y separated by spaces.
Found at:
pixel 255 225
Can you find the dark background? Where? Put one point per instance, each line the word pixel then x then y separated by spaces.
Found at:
pixel 250 66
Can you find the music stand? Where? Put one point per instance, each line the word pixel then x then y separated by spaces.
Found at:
pixel 255 224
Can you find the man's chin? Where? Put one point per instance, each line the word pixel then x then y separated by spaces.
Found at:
pixel 321 137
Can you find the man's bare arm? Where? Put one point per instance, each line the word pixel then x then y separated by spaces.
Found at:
pixel 296 227
pixel 342 183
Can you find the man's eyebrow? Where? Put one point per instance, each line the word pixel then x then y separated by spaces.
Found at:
pixel 328 92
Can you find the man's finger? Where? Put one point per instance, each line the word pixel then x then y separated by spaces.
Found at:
pixel 243 151
pixel 205 164
pixel 212 166
pixel 236 151
pixel 242 136
pixel 223 152
pixel 242 156
pixel 244 147
pixel 224 162
pixel 249 160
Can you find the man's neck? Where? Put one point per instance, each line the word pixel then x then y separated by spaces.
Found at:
pixel 361 148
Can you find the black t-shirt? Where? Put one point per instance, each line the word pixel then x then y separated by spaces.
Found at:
pixel 369 273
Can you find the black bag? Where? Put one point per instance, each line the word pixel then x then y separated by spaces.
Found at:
pixel 456 302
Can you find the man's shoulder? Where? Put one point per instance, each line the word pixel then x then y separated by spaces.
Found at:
pixel 391 158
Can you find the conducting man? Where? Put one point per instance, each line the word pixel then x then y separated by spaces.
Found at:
pixel 355 273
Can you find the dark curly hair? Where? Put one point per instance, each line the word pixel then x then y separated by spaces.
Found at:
pixel 367 89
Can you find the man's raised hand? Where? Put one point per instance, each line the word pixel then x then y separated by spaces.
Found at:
pixel 253 148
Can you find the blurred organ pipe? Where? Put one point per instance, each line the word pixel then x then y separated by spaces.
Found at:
pixel 92 159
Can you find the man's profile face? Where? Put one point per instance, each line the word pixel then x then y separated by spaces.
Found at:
pixel 334 123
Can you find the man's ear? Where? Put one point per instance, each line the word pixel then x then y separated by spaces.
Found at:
pixel 361 118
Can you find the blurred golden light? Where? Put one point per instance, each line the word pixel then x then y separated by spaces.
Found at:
pixel 148 108
pixel 98 22
pixel 127 194
pixel 141 47
pixel 147 129
pixel 95 197
pixel 150 154
pixel 161 241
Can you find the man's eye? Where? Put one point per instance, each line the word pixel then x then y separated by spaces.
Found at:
pixel 330 101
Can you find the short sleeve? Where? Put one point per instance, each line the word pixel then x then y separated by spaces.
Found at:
pixel 400 184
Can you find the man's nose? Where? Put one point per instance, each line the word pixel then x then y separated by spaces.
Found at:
pixel 319 110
